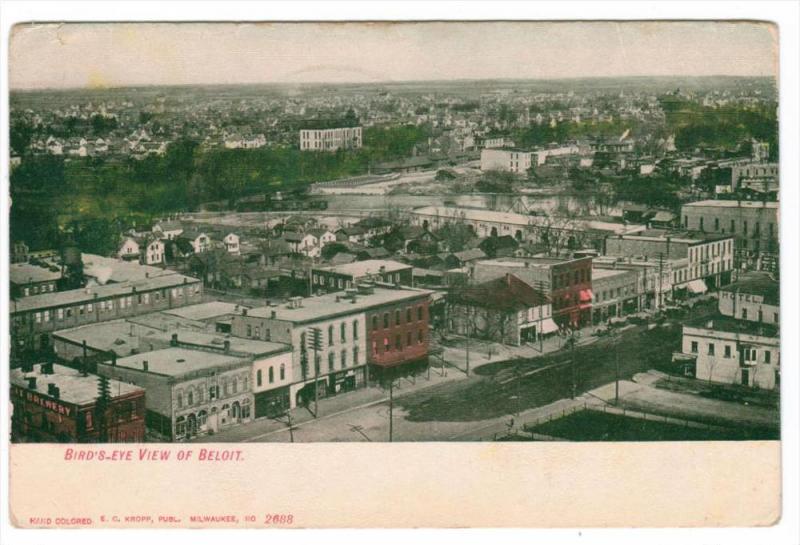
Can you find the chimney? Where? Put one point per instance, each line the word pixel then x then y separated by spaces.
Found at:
pixel 227 345
pixel 273 314
pixel 145 366
pixel 113 359
pixel 133 289
pixel 174 340
pixel 244 312
pixel 31 382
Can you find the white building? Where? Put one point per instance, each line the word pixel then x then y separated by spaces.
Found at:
pixel 231 242
pixel 330 139
pixel 507 160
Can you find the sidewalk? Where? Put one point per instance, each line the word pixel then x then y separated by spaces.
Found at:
pixel 329 407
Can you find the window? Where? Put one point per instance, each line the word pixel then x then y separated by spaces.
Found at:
pixel 355 329
pixel 716 224
pixel 398 343
pixel 180 400
pixel 397 317
pixel 744 227
pixel 419 313
pixel 271 375
pixel 257 332
pixel 694 347
pixel 60 313
pixel 283 372
pixel 408 339
pixel 744 314
pixel 385 344
pixel 317 360
pixel 38 317
pixel 190 397
pixel 343 331
pixel 213 393
pixel 330 334
pixel 385 319
pixel 374 348
pixel 249 330
pixel 775 317
pixel 727 351
pixel 355 355
pixel 331 361
pixel 374 322
pixel 343 358
pixel 767 356
pixel 710 349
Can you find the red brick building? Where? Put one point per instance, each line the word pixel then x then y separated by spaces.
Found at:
pixel 53 403
pixel 397 336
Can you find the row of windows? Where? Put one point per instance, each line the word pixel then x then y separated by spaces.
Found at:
pixel 108 305
pixel 44 288
pixel 193 396
pixel 760 316
pixel 332 360
pixel 605 295
pixel 270 375
pixel 398 342
pixel 749 354
pixel 578 276
pixel 732 226
pixel 397 315
pixel 711 250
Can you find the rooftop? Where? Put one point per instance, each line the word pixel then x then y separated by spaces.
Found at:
pixel 73 387
pixel 329 305
pixel 109 269
pixel 526 262
pixel 120 336
pixel 508 294
pixel 605 273
pixel 237 344
pixel 205 311
pixel 756 283
pixel 177 362
pixel 728 324
pixel 25 273
pixel 732 204
pixel 90 294
pixel 359 269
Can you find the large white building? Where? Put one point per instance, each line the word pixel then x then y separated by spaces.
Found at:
pixel 506 159
pixel 330 139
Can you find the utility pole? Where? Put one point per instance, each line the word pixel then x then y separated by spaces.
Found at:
pixel 616 369
pixel 315 342
pixel 291 428
pixel 659 302
pixel 391 409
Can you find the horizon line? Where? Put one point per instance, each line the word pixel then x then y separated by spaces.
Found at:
pixel 384 82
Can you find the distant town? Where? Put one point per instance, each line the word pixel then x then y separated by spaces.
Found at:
pixel 494 260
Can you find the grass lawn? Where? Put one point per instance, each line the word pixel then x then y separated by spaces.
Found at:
pixel 590 425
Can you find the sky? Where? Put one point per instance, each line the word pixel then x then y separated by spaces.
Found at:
pixel 119 54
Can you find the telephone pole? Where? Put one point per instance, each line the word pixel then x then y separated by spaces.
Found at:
pixel 315 343
pixel 391 409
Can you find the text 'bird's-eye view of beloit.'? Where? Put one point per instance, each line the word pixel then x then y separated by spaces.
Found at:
pixel 481 258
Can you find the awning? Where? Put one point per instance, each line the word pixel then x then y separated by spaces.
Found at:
pixel 586 296
pixel 697 286
pixel 549 326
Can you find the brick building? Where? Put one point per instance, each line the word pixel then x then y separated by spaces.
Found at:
pixel 53 403
pixel 342 277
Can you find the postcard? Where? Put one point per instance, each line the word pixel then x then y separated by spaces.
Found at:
pixel 394 274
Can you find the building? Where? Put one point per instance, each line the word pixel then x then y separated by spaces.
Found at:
pixel 34 318
pixel 556 233
pixel 200 242
pixel 709 258
pixel 330 138
pixel 506 159
pixel 758 177
pixel 231 243
pixel 505 310
pixel 341 277
pixel 566 282
pixel 57 404
pixel 339 363
pixel 27 279
pixel 753 224
pixel 731 351
pixel 189 392
pixel 19 252
pixel 655 278
pixel 754 297
pixel 615 293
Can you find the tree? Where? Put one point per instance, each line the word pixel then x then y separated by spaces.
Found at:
pixel 331 249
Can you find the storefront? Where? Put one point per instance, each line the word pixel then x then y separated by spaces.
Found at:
pixel 272 403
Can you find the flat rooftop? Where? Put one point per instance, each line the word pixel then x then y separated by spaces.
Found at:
pixel 756 283
pixel 358 269
pixel 237 344
pixel 526 262
pixel 25 273
pixel 606 273
pixel 712 203
pixel 687 237
pixel 119 336
pixel 73 387
pixel 89 294
pixel 177 362
pixel 729 324
pixel 110 269
pixel 205 311
pixel 336 304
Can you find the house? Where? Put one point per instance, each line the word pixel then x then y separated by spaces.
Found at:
pixel 231 242
pixel 374 226
pixel 341 277
pixel 29 279
pixel 351 234
pixel 302 243
pixel 168 229
pixel 505 310
pixel 460 259
pixel 129 249
pixel 199 240
pixel 323 235
pixel 372 253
